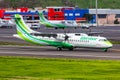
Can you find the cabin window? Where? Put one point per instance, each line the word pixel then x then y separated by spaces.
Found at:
pixel 70 22
pixel 102 39
pixel 77 34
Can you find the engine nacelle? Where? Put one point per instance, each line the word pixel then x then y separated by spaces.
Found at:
pixel 60 37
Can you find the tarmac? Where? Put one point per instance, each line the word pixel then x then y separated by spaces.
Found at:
pixel 111 32
pixel 51 52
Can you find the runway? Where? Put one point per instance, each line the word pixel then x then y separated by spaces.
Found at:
pixel 51 52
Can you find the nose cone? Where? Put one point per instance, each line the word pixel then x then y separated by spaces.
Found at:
pixel 109 44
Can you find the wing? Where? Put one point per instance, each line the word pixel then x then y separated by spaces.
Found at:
pixel 58 37
pixel 44 35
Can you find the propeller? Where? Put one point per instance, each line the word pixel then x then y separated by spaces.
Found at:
pixel 66 37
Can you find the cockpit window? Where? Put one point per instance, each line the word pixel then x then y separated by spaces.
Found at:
pixel 70 22
pixel 77 34
pixel 102 39
pixel 63 22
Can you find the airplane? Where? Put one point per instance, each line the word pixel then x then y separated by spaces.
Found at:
pixel 6 23
pixel 56 23
pixel 60 40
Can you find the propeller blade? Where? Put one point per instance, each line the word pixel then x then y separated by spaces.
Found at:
pixel 66 37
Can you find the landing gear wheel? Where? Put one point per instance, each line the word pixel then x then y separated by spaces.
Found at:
pixel 70 49
pixel 59 49
pixel 56 28
pixel 105 50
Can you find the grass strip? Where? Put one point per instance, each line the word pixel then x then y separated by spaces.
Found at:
pixel 28 68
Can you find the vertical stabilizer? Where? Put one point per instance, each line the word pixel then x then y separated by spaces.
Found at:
pixel 42 18
pixel 21 26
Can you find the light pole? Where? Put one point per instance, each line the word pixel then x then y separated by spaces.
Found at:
pixel 96 13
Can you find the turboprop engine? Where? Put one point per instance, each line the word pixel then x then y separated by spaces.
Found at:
pixel 62 37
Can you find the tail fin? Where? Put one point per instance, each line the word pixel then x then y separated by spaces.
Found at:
pixel 21 26
pixel 23 31
pixel 42 18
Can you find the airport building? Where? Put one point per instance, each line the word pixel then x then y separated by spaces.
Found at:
pixel 7 15
pixel 105 16
pixel 66 13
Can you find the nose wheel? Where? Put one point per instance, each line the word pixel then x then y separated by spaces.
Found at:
pixel 70 49
pixel 105 50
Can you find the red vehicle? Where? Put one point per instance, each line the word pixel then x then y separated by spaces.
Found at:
pixel 56 13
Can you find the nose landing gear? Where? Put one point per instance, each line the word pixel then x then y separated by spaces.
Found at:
pixel 105 50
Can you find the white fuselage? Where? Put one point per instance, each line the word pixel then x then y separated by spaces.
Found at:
pixel 80 40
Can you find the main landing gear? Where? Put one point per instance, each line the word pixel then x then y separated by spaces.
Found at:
pixel 60 49
pixel 70 49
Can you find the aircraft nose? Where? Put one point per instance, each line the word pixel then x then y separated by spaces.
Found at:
pixel 109 44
